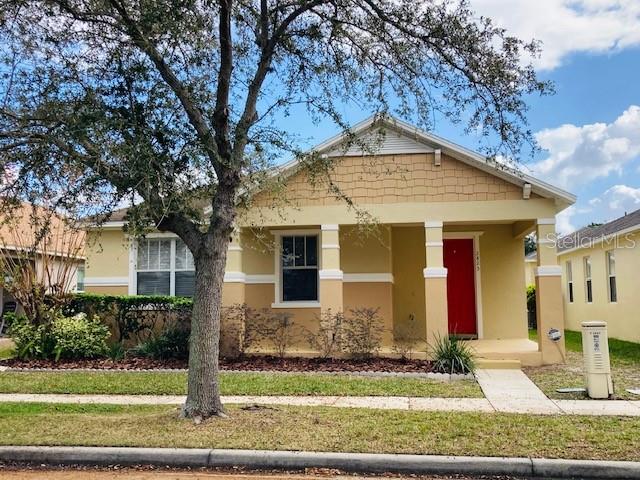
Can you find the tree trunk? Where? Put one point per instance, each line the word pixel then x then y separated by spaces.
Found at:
pixel 203 396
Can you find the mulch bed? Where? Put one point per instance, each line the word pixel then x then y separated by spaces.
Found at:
pixel 265 363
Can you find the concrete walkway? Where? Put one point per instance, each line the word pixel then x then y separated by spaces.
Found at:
pixel 548 407
pixel 512 391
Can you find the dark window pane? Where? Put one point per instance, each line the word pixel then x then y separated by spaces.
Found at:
pixel 185 284
pixel 589 292
pixel 312 251
pixel 571 293
pixel 287 251
pixel 154 283
pixel 299 251
pixel 613 289
pixel 300 284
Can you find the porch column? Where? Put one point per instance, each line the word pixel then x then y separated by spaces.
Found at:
pixel 330 288
pixel 549 307
pixel 234 277
pixel 435 282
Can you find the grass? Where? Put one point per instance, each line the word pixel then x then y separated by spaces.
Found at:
pixel 326 429
pixel 625 368
pixel 163 383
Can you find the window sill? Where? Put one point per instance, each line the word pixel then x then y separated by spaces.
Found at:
pixel 309 304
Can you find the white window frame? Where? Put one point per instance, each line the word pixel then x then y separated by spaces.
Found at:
pixel 84 278
pixel 588 279
pixel 570 286
pixel 609 255
pixel 133 262
pixel 278 234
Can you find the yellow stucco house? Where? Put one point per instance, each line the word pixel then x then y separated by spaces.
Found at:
pixel 601 276
pixel 448 252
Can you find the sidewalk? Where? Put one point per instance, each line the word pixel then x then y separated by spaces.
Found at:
pixel 506 391
pixel 506 405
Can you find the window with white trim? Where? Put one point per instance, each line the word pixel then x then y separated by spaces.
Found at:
pixel 588 286
pixel 569 281
pixel 164 266
pixel 299 268
pixel 80 278
pixel 611 276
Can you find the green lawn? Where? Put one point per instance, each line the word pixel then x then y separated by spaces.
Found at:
pixel 625 368
pixel 161 383
pixel 326 429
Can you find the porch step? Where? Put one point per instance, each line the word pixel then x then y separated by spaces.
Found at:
pixel 494 363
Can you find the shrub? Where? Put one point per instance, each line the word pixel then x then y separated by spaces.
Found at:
pixel 452 355
pixel 235 338
pixel 64 337
pixel 531 298
pixel 363 329
pixel 407 338
pixel 276 328
pixel 79 337
pixel 32 341
pixel 116 351
pixel 328 338
pixel 134 317
pixel 173 342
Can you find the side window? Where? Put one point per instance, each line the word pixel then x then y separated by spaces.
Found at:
pixel 611 276
pixel 587 280
pixel 569 272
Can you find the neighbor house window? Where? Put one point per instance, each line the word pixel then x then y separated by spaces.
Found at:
pixel 587 279
pixel 299 262
pixel 611 274
pixel 80 278
pixel 164 267
pixel 569 281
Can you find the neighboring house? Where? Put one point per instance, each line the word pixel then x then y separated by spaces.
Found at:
pixel 54 259
pixel 601 276
pixel 448 253
pixel 530 265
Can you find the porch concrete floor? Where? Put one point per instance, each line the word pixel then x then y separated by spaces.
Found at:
pixel 519 351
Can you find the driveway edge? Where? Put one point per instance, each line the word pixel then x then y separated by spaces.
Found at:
pixel 353 462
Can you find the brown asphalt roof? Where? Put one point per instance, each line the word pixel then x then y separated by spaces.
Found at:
pixel 587 235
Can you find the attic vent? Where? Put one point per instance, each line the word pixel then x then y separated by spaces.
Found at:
pixel 437 160
pixel 526 191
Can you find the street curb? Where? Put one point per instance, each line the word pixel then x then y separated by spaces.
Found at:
pixel 352 462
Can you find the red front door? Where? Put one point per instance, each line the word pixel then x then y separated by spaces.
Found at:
pixel 461 290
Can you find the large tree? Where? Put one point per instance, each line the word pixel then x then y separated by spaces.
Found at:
pixel 174 104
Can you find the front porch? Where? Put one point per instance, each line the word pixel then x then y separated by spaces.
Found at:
pixel 426 280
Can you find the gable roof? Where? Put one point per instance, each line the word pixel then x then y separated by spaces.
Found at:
pixel 431 142
pixel 588 236
pixel 415 140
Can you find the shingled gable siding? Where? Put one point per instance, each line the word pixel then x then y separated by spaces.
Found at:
pixel 401 178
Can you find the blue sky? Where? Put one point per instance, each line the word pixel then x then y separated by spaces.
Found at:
pixel 589 130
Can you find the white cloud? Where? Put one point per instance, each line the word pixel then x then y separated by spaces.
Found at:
pixel 580 154
pixel 567 26
pixel 613 203
pixel 563 220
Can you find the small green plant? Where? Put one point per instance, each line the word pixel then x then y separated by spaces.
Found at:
pixel 452 355
pixel 79 337
pixel 64 337
pixel 32 341
pixel 116 351
pixel 173 342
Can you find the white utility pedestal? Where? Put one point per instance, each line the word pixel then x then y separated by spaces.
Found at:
pixel 597 368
